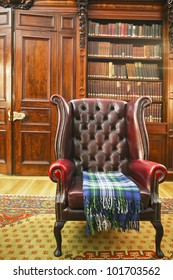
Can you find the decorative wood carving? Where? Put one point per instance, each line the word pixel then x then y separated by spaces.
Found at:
pixel 170 19
pixel 82 81
pixel 17 4
pixel 171 95
pixel 82 12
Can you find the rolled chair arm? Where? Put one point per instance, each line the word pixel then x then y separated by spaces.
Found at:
pixel 148 173
pixel 62 170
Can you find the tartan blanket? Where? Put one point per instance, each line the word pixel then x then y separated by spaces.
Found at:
pixel 111 200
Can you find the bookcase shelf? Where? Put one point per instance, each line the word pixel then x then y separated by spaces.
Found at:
pixel 125 61
pixel 92 36
pixel 119 58
pixel 100 77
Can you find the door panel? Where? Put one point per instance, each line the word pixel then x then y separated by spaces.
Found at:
pixel 5 92
pixel 157 148
pixel 67 67
pixel 67 60
pixel 34 84
pixel 157 133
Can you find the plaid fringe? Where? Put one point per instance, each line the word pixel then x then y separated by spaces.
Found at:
pixel 111 201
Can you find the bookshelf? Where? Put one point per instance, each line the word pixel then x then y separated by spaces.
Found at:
pixel 125 61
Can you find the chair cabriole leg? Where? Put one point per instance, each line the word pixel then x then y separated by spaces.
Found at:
pixel 159 234
pixel 57 233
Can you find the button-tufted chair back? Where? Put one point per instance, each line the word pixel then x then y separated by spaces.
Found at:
pixel 99 135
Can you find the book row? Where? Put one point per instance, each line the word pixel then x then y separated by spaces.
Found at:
pixel 126 90
pixel 129 29
pixel 108 49
pixel 153 113
pixel 136 70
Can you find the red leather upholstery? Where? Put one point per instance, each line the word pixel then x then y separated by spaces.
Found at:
pixel 103 135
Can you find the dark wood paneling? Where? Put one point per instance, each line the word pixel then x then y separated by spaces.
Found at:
pixel 68 22
pixel 170 151
pixel 5 18
pixel 2 115
pixel 5 94
pixel 35 114
pixel 130 11
pixel 2 64
pixel 2 148
pixel 36 67
pixel 157 144
pixel 36 21
pixel 44 64
pixel 67 66
pixel 39 151
pixel 35 63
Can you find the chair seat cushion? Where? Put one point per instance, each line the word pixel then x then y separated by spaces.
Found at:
pixel 75 194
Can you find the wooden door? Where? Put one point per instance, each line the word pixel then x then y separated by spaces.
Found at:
pixel 34 83
pixel 39 55
pixel 5 92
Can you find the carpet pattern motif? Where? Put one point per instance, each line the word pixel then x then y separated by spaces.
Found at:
pixel 15 208
pixel 27 233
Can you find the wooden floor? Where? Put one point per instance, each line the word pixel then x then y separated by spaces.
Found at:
pixel 27 185
pixel 42 185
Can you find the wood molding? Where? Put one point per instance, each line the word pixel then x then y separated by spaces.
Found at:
pixel 171 95
pixel 82 13
pixel 170 20
pixel 17 4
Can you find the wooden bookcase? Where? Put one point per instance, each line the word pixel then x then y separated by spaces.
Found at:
pixel 125 61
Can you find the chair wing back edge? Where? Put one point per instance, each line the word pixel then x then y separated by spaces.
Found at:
pixel 136 128
pixel 63 127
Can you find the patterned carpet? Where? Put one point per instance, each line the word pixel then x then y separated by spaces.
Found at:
pixel 26 233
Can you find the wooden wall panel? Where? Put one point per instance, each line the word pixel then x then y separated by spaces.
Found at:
pixel 36 67
pixel 35 114
pixel 2 147
pixel 67 67
pixel 5 94
pixel 5 18
pixel 67 22
pixel 35 21
pixel 2 65
pixel 157 148
pixel 2 115
pixel 39 141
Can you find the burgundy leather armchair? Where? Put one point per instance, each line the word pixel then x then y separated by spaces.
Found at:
pixel 103 135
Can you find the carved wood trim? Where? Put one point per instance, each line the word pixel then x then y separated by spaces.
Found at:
pixel 82 13
pixel 17 4
pixel 82 81
pixel 170 20
pixel 171 94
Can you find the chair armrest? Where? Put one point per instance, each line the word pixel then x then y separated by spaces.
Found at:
pixel 148 173
pixel 62 171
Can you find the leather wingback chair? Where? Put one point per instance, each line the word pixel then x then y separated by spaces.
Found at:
pixel 103 135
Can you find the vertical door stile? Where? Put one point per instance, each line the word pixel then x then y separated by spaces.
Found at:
pixel 5 90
